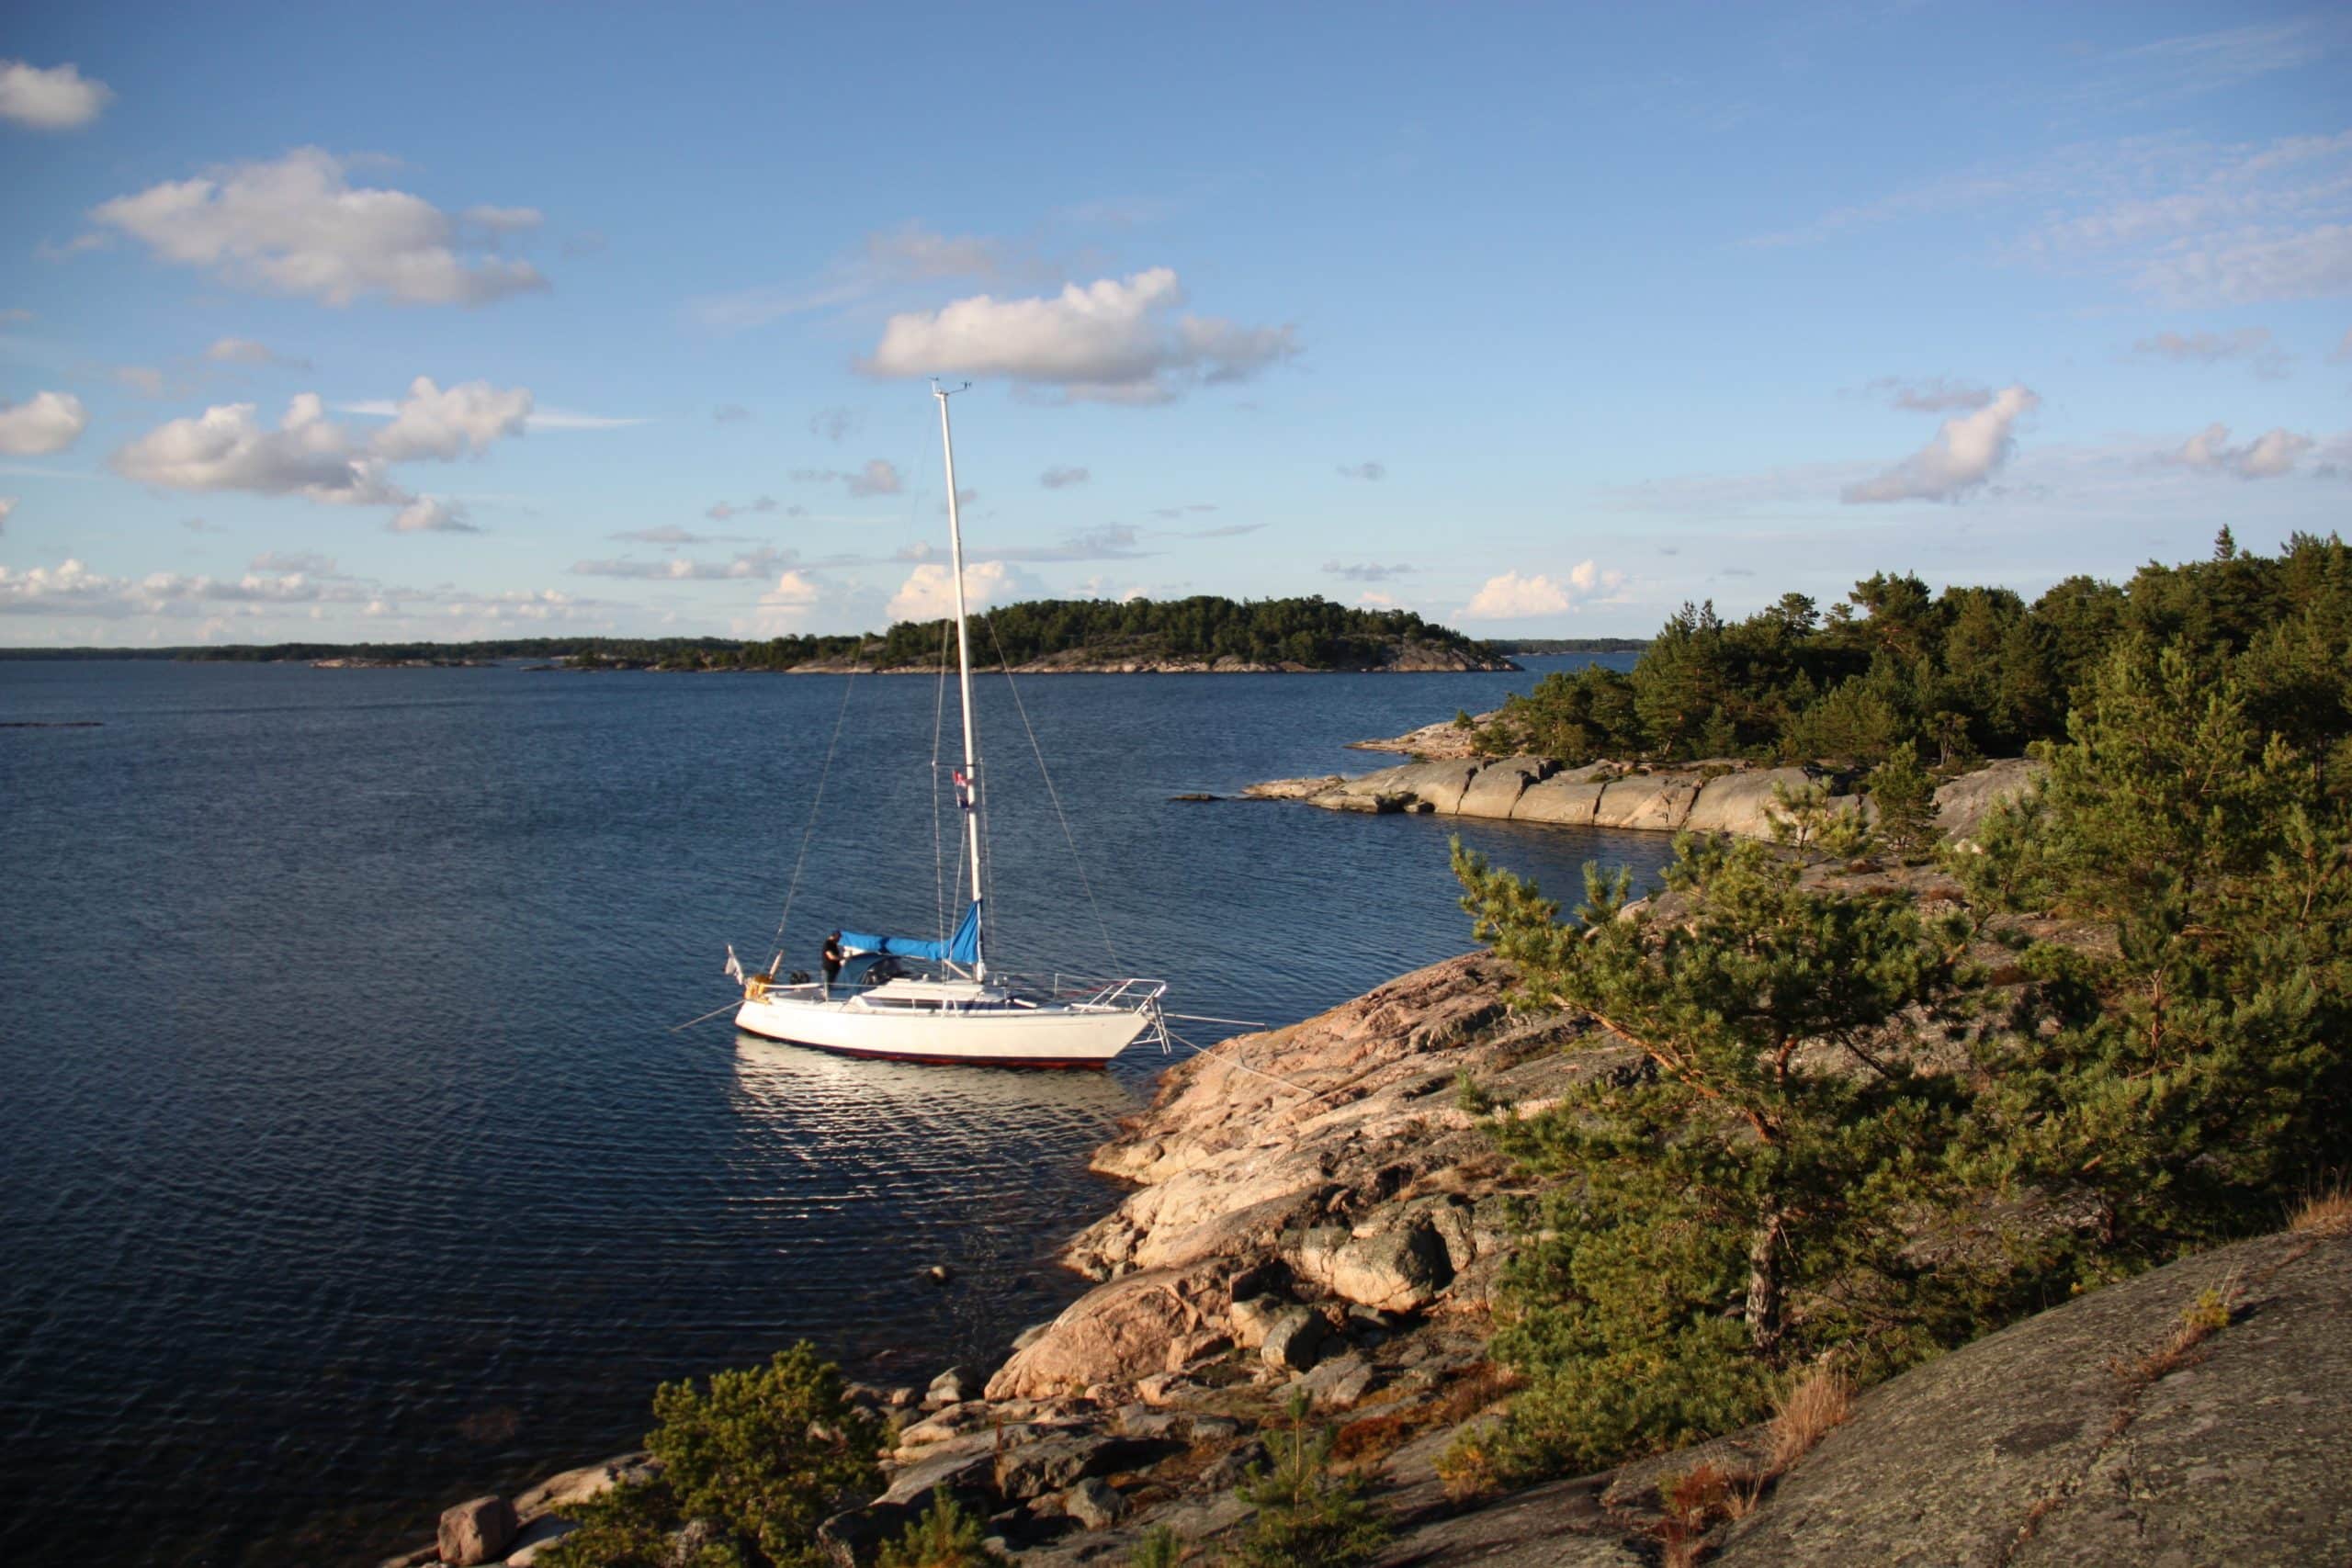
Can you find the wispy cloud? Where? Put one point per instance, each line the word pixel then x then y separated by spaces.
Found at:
pixel 2254 345
pixel 1364 471
pixel 1365 571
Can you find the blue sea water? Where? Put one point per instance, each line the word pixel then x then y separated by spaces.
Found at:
pixel 350 1163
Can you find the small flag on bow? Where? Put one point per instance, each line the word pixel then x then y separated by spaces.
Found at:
pixel 734 969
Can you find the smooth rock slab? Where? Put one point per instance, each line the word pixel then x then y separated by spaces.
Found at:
pixel 1742 804
pixel 1653 802
pixel 1559 802
pixel 2238 1458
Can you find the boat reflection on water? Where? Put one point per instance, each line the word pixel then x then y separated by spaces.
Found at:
pixel 920 1113
pixel 869 1174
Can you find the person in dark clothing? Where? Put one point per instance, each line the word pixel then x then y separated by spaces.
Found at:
pixel 832 961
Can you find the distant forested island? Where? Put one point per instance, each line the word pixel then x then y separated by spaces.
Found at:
pixel 1544 645
pixel 1201 633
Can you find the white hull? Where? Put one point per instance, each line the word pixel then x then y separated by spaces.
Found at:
pixel 1049 1036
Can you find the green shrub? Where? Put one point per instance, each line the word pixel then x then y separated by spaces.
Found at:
pixel 942 1536
pixel 759 1460
pixel 1306 1516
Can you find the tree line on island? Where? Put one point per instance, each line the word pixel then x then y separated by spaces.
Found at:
pixel 1967 672
pixel 1310 633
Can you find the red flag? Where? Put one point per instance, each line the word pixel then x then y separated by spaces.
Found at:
pixel 963 789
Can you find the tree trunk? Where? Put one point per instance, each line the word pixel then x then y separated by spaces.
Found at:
pixel 1763 1312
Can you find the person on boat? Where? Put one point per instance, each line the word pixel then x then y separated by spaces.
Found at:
pixel 832 961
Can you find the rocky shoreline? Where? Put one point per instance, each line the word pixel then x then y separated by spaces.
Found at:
pixel 1720 796
pixel 1320 1212
pixel 1316 1212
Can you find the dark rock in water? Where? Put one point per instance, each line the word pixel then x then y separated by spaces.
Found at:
pixel 1196 797
pixel 477 1532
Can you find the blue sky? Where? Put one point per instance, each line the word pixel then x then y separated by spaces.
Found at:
pixel 489 320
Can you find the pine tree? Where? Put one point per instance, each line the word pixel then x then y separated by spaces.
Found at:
pixel 1906 798
pixel 2200 1071
pixel 1735 1200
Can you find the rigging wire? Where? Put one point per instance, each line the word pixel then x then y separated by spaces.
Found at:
pixel 938 842
pixel 810 831
pixel 1054 795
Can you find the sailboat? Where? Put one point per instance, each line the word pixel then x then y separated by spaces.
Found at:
pixel 911 1000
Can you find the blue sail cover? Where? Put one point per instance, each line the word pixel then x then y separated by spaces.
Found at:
pixel 964 947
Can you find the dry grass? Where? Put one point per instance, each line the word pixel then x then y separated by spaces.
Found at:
pixel 2185 1346
pixel 1809 1409
pixel 2325 1213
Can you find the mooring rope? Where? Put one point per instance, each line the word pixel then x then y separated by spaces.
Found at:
pixel 1244 1066
pixel 807 834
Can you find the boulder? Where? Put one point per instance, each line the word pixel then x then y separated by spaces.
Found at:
pixel 1111 1334
pixel 953 1386
pixel 966 1467
pixel 1294 1340
pixel 1741 804
pixel 1094 1505
pixel 1400 1268
pixel 2066 1441
pixel 1559 801
pixel 477 1530
pixel 1051 1464
pixel 1962 804
pixel 1339 1384
pixel 1250 1319
pixel 1653 802
pixel 1495 789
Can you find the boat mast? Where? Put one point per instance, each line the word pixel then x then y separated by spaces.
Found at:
pixel 963 661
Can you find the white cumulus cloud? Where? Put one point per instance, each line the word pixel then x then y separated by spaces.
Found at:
pixel 929 591
pixel 1113 341
pixel 227 448
pixel 1964 453
pixel 59 98
pixel 45 423
pixel 434 423
pixel 1511 597
pixel 298 226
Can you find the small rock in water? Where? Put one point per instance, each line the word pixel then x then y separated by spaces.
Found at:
pixel 1196 797
pixel 477 1532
